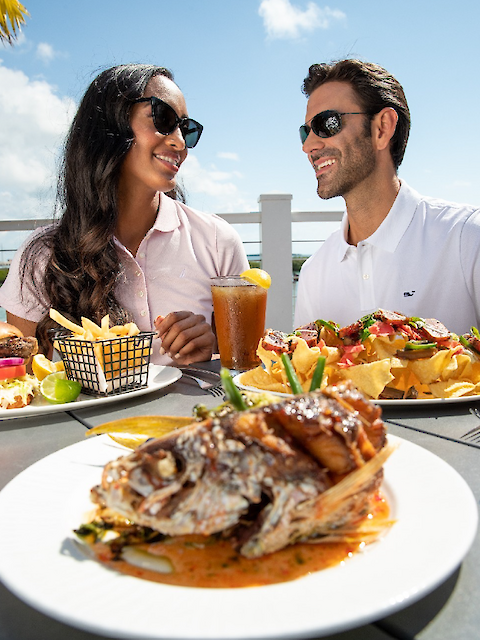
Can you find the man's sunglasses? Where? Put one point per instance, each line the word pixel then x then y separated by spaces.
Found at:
pixel 326 124
pixel 166 121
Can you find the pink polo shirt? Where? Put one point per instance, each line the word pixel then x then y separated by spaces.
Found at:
pixel 171 271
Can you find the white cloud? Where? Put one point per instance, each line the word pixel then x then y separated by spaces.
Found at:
pixel 228 155
pixel 45 52
pixel 210 189
pixel 212 182
pixel 284 20
pixel 33 123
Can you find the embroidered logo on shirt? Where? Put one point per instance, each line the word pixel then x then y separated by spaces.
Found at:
pixel 408 294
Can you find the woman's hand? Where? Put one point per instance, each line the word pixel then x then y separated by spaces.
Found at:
pixel 186 337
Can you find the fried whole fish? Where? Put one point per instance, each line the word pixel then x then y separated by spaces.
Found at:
pixel 297 470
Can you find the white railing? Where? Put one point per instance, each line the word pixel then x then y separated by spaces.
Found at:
pixel 274 219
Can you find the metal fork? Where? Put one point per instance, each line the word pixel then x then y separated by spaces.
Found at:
pixel 474 434
pixel 215 389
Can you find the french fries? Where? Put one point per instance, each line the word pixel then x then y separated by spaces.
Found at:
pixel 91 331
pixel 115 356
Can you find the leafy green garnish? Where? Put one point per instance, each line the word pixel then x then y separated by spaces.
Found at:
pixel 366 322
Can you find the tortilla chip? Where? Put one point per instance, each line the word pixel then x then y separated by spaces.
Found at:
pixel 456 367
pixel 381 347
pixel 267 357
pixel 428 370
pixel 332 354
pixel 371 377
pixel 403 378
pixel 304 358
pixel 472 372
pixel 261 379
pixel 452 389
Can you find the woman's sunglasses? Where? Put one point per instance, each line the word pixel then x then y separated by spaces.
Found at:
pixel 166 121
pixel 326 124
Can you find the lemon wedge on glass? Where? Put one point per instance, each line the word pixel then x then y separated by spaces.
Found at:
pixel 57 388
pixel 258 276
pixel 42 366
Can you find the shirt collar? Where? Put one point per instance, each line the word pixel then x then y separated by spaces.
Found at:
pixel 167 217
pixel 392 229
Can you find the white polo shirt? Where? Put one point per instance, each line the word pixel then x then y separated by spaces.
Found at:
pixel 170 272
pixel 423 260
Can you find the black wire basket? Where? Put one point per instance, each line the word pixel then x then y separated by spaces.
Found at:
pixel 106 367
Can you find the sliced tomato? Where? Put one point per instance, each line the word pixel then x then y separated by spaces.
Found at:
pixel 12 372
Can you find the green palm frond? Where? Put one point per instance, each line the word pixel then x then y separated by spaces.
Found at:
pixel 12 16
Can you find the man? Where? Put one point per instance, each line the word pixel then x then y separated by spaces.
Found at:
pixel 396 249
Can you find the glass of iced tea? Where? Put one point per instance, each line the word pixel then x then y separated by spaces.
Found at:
pixel 239 308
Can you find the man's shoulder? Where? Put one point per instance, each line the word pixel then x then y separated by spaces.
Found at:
pixel 435 204
pixel 450 207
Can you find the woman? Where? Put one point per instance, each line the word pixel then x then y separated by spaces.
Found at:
pixel 126 244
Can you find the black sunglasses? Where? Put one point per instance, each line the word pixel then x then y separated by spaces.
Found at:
pixel 166 121
pixel 326 124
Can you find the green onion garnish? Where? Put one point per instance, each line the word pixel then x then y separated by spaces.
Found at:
pixel 318 374
pixel 295 385
pixel 231 390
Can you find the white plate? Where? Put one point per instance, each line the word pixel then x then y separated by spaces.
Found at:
pixel 382 403
pixel 436 523
pixel 158 377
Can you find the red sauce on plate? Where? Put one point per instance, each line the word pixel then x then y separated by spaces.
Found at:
pixel 212 563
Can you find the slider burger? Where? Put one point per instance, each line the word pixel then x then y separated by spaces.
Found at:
pixel 17 388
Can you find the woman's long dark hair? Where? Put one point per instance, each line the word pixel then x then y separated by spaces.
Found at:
pixel 83 266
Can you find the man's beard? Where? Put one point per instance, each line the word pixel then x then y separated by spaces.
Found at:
pixel 358 162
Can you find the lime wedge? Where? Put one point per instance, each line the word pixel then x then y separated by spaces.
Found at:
pixel 57 389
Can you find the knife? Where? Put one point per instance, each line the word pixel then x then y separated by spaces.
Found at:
pixel 200 373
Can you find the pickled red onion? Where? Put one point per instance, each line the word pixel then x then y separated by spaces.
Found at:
pixel 11 362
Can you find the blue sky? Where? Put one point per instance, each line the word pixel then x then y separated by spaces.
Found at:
pixel 240 64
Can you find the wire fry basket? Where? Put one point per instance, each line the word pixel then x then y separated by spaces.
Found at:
pixel 107 367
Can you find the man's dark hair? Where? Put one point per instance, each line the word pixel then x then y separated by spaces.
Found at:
pixel 375 88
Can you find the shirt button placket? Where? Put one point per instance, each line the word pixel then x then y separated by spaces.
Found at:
pixel 141 291
pixel 365 265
